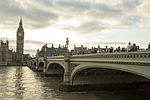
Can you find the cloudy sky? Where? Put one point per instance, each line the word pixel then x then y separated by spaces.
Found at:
pixel 83 21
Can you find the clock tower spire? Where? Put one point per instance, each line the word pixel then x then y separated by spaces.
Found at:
pixel 20 42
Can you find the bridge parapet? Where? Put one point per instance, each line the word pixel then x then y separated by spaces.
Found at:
pixel 128 58
pixel 55 58
pixel 117 55
pixel 137 58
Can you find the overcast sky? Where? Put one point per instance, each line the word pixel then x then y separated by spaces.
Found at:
pixel 83 21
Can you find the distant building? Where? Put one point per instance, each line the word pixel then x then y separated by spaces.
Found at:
pixel 99 49
pixel 46 51
pixel 7 56
pixel 79 50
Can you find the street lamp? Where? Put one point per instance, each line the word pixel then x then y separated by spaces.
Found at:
pixel 67 42
pixel 45 51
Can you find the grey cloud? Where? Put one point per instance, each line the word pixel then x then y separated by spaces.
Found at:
pixel 131 4
pixel 89 27
pixel 47 2
pixel 133 20
pixel 75 4
pixel 51 11
pixel 94 12
pixel 101 11
pixel 36 17
pixel 10 8
pixel 72 8
pixel 106 8
pixel 96 26
pixel 130 21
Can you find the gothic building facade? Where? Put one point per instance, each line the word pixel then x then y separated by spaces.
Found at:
pixel 79 50
pixel 52 51
pixel 7 56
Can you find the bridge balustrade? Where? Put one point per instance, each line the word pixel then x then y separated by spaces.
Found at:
pixel 132 58
pixel 120 55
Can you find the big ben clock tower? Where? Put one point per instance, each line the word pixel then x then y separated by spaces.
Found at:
pixel 20 43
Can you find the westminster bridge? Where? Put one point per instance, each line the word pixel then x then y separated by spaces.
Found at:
pixel 94 70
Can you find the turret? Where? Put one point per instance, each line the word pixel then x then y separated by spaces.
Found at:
pixel 20 23
pixel 52 46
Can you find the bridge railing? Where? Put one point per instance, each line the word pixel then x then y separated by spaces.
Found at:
pixel 142 58
pixel 118 55
pixel 132 58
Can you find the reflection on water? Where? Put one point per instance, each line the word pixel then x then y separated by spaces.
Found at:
pixel 21 83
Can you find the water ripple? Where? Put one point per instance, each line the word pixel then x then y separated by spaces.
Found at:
pixel 21 83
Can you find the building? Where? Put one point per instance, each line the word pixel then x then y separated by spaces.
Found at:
pixel 7 56
pixel 46 51
pixel 99 49
pixel 79 50
pixel 26 57
pixel 20 43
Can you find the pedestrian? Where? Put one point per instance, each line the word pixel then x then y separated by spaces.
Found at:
pixel 106 50
pixel 149 46
pixel 118 49
pixel 111 50
pixel 129 47
pixel 134 47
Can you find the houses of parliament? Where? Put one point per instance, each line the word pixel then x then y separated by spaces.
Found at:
pixel 7 56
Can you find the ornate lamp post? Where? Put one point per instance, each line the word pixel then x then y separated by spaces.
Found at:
pixel 45 58
pixel 45 52
pixel 67 42
pixel 67 64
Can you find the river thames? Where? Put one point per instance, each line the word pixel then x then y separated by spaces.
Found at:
pixel 22 83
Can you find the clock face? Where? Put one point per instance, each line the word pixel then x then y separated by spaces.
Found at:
pixel 20 34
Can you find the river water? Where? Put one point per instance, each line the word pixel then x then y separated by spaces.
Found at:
pixel 22 83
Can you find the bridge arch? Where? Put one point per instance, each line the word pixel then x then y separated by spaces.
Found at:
pixel 40 66
pixel 34 64
pixel 56 69
pixel 107 73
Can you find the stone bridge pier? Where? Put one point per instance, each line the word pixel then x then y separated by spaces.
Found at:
pixel 56 66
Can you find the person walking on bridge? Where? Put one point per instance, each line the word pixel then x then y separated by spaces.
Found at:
pixel 148 46
pixel 129 47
